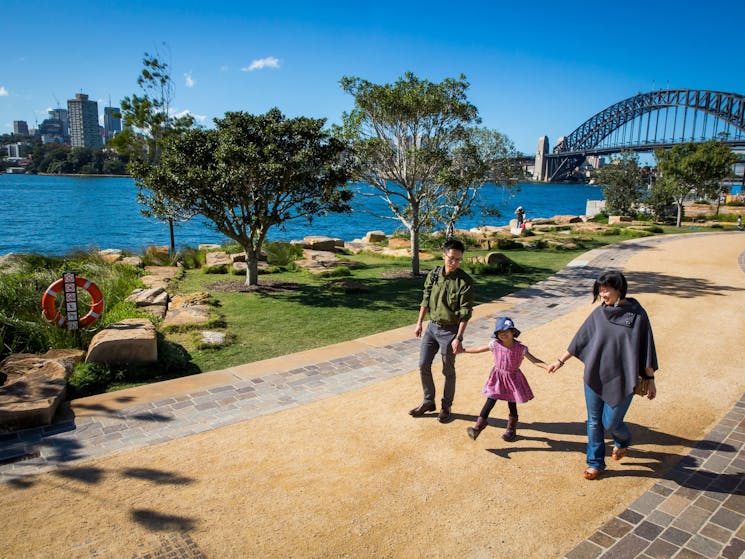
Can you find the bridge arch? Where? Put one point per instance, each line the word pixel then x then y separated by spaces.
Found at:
pixel 644 122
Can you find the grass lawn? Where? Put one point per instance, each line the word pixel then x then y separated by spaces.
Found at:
pixel 314 312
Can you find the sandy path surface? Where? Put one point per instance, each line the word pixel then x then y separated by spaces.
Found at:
pixel 355 476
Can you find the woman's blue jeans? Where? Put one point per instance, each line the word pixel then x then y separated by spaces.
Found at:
pixel 601 418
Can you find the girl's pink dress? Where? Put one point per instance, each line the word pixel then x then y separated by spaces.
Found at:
pixel 506 381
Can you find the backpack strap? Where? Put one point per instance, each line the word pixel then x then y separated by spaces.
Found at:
pixel 436 274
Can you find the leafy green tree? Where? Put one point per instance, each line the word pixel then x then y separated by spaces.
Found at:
pixel 148 123
pixel 622 181
pixel 483 156
pixel 694 169
pixel 405 137
pixel 252 173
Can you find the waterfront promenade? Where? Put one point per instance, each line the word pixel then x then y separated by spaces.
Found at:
pixel 314 455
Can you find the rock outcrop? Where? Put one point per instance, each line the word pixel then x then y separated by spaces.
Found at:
pixel 33 387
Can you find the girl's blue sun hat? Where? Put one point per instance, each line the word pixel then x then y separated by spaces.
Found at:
pixel 505 323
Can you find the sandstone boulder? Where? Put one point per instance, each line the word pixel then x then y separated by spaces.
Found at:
pixel 212 338
pixel 147 297
pixel 315 242
pixel 208 247
pixel 398 242
pixel 217 262
pixel 133 340
pixel 188 310
pixel 614 219
pixel 33 387
pixel 375 236
pixel 135 261
pixel 566 219
pixel 110 254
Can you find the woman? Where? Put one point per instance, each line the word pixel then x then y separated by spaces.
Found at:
pixel 616 346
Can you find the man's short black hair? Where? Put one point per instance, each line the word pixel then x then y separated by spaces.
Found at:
pixel 453 244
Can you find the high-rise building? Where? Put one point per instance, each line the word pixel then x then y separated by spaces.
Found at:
pixel 62 116
pixel 112 121
pixel 83 115
pixel 20 127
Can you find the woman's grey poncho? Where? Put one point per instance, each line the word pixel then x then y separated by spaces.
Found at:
pixel 615 344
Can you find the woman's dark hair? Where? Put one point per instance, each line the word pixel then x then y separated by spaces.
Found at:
pixel 613 279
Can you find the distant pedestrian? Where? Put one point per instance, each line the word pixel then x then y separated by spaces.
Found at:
pixel 616 346
pixel 520 216
pixel 448 298
pixel 739 222
pixel 506 381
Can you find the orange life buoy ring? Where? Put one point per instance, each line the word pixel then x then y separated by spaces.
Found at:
pixel 49 299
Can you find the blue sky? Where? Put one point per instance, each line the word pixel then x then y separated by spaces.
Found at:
pixel 534 67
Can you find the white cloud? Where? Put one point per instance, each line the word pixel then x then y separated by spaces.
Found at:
pixel 3 91
pixel 198 118
pixel 261 63
pixel 190 82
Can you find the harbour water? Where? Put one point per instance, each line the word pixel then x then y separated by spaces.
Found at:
pixel 53 215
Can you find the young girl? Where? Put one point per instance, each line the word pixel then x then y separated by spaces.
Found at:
pixel 506 381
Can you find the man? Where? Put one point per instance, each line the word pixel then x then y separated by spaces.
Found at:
pixel 448 297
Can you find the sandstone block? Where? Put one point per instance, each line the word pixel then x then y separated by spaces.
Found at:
pixel 398 242
pixel 320 243
pixel 217 263
pixel 152 296
pixel 375 236
pixel 129 341
pixel 213 338
pixel 110 254
pixel 33 387
pixel 614 219
pixel 208 247
pixel 135 261
pixel 154 282
pixel 566 219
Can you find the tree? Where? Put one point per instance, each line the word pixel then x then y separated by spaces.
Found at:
pixel 252 173
pixel 483 156
pixel 148 123
pixel 622 181
pixel 404 136
pixel 694 168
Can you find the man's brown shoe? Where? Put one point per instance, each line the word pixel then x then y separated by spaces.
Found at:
pixel 444 415
pixel 422 409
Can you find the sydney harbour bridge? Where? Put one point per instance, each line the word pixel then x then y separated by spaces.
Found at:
pixel 643 123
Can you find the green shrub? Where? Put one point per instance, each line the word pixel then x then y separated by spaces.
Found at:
pixel 634 233
pixel 154 257
pixel 89 378
pixel 654 229
pixel 191 258
pixel 282 254
pixel 735 203
pixel 717 226
pixel 339 272
pixel 507 243
pixel 600 217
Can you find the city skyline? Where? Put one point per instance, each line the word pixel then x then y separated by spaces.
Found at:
pixel 533 72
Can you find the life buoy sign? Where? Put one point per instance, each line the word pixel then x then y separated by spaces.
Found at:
pixel 49 302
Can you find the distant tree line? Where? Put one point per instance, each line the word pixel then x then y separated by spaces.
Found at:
pixel 58 159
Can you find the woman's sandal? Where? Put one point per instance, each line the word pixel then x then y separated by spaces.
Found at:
pixel 592 473
pixel 619 453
